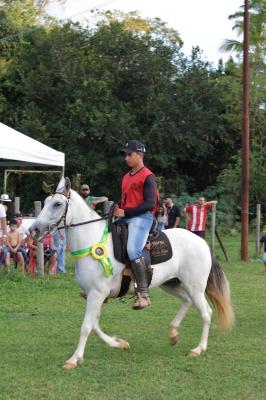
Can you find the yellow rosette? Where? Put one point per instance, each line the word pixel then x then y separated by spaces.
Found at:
pixel 99 252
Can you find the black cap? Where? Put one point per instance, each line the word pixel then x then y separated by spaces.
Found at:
pixel 17 214
pixel 133 146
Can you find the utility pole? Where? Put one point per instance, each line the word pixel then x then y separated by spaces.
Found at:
pixel 245 141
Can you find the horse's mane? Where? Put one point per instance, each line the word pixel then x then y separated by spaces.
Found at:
pixel 75 196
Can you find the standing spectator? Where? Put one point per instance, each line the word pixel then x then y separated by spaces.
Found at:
pixel 263 247
pixel 3 210
pixel 196 215
pixel 161 217
pixel 92 201
pixel 173 213
pixel 23 233
pixel 59 237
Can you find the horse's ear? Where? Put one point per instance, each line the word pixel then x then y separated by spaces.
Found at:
pixel 64 186
pixel 67 184
pixel 61 185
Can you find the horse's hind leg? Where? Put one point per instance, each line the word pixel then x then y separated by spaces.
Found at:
pixel 178 291
pixel 205 311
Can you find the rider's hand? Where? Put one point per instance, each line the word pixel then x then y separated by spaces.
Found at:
pixel 119 212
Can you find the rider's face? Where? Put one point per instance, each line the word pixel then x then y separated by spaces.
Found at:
pixel 133 159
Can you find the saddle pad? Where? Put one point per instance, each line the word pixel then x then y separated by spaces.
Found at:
pixel 160 248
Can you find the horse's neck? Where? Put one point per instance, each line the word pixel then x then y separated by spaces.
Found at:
pixel 83 236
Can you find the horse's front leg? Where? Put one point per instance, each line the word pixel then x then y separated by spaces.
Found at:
pixel 111 341
pixel 95 300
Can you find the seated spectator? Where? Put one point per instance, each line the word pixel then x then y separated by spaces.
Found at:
pixel 23 233
pixel 13 247
pixel 49 254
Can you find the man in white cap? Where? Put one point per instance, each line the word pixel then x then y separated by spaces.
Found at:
pixel 3 208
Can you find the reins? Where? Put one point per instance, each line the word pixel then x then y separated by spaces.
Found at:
pixel 108 216
pixel 105 216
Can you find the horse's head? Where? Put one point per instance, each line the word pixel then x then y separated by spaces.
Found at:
pixel 54 211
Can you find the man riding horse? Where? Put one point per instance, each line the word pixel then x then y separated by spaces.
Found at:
pixel 137 206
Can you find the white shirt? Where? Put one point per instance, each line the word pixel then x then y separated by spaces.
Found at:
pixel 2 215
pixel 2 211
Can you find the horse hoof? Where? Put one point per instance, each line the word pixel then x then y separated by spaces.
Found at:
pixel 123 344
pixel 194 354
pixel 69 365
pixel 174 340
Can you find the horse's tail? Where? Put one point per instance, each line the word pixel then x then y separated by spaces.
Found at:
pixel 218 291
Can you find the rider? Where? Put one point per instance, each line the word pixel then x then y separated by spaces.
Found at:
pixel 137 206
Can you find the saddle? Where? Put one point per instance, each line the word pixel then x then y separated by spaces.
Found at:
pixel 158 248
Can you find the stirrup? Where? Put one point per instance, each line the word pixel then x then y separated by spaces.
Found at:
pixel 141 302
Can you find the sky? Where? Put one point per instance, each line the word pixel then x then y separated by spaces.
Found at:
pixel 202 23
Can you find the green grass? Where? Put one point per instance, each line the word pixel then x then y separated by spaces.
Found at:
pixel 39 330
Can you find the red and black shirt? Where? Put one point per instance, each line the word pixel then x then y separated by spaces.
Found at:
pixel 139 192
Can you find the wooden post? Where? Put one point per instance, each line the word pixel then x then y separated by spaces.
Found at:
pixel 17 205
pixel 40 253
pixel 258 218
pixel 221 245
pixel 213 218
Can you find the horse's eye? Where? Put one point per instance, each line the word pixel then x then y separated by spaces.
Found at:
pixel 57 204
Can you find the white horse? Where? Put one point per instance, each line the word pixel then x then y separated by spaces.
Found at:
pixel 189 274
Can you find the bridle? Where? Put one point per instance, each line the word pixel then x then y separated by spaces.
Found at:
pixel 63 217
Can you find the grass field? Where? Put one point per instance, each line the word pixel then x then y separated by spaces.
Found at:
pixel 39 329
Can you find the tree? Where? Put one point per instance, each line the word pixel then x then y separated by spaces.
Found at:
pixel 87 91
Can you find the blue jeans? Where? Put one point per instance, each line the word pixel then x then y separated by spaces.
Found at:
pixel 60 246
pixel 138 231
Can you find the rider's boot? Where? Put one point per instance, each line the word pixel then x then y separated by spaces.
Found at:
pixel 142 299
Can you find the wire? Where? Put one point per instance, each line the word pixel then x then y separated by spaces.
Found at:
pixel 22 33
pixel 88 9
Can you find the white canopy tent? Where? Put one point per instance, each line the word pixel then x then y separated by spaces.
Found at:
pixel 19 147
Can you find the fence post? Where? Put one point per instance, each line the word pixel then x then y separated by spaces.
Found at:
pixel 213 218
pixel 40 253
pixel 258 218
pixel 17 205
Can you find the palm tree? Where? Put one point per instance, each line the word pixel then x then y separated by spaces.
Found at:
pixel 257 38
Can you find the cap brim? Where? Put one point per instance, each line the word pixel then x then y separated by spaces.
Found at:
pixel 127 151
pixel 6 201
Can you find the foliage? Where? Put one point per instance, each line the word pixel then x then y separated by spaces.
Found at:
pixel 86 91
